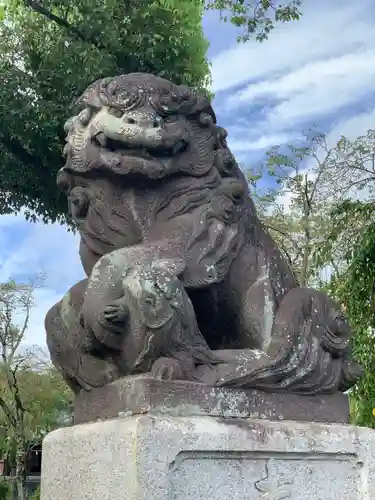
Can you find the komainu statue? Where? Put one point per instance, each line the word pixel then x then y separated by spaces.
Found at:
pixel 182 280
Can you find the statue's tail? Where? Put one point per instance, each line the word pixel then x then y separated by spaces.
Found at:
pixel 309 352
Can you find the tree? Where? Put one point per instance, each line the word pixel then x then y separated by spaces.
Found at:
pixel 256 17
pixel 297 212
pixel 51 51
pixel 32 395
pixel 353 233
pixel 312 213
pixel 351 240
pixel 341 235
pixel 355 289
pixel 350 177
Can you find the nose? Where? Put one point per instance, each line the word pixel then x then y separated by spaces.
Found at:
pixel 143 118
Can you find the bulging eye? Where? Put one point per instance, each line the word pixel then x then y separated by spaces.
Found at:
pixel 115 112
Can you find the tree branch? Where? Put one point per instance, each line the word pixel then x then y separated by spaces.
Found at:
pixel 16 392
pixel 8 413
pixel 27 305
pixel 355 165
pixel 317 179
pixel 277 230
pixel 129 63
pixel 306 246
pixel 35 6
pixel 19 152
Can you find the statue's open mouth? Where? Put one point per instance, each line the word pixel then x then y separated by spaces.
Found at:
pixel 148 152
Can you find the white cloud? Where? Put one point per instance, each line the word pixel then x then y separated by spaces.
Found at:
pixel 309 70
pixel 326 29
pixel 310 76
pixel 33 250
pixel 316 89
pixel 47 249
pixel 352 127
pixel 263 142
pixel 44 299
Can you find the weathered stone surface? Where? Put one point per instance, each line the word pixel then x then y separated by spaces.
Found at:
pixel 183 282
pixel 193 458
pixel 139 394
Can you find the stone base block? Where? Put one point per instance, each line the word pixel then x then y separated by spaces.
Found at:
pixel 141 394
pixel 192 458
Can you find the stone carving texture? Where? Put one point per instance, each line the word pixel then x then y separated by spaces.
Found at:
pixel 182 280
pixel 203 458
pixel 270 488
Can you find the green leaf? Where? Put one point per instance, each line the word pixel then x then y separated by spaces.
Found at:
pixel 64 46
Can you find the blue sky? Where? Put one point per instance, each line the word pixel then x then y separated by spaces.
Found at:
pixel 319 71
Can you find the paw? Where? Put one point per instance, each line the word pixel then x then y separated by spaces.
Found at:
pixel 167 369
pixel 115 313
pixel 94 372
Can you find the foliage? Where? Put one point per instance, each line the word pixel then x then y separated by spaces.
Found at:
pixel 45 397
pixel 51 51
pixel 352 165
pixel 355 288
pixel 35 495
pixel 311 212
pixel 32 394
pixel 256 17
pixel 296 211
pixel 351 240
pixel 350 178
pixel 321 215
pixel 350 219
pixel 4 490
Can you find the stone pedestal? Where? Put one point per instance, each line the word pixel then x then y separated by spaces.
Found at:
pixel 141 394
pixel 163 457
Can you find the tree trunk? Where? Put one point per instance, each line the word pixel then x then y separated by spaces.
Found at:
pixel 20 485
pixel 305 262
pixel 20 472
pixel 307 242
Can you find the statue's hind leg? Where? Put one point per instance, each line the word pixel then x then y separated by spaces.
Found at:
pixel 308 350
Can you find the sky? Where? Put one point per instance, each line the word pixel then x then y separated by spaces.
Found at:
pixel 319 71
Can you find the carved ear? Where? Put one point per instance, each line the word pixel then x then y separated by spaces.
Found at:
pixel 174 267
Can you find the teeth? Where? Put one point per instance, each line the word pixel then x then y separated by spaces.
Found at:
pixel 102 139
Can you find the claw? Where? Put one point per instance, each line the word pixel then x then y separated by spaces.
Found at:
pixel 115 313
pixel 111 308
